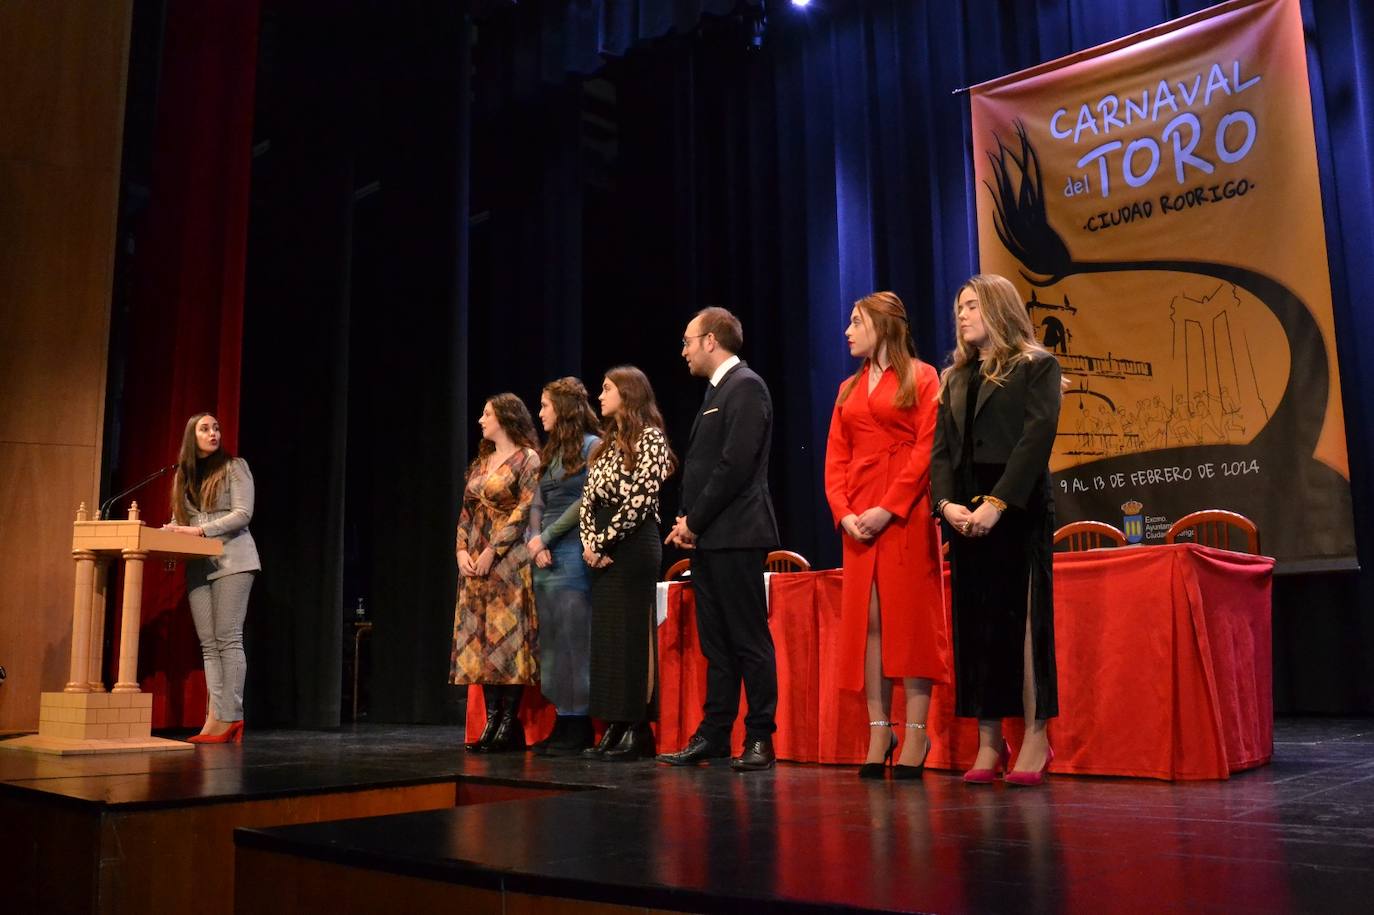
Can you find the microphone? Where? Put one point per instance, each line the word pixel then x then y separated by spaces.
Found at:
pixel 105 506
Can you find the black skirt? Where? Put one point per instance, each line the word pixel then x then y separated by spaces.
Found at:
pixel 624 626
pixel 995 579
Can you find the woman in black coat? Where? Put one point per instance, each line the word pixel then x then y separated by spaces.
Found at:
pixel 999 411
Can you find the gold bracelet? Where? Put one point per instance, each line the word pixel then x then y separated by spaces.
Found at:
pixel 994 502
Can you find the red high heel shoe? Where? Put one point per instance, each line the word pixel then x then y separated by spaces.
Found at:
pixel 988 776
pixel 234 734
pixel 1031 779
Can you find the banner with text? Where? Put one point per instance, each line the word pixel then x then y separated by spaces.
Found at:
pixel 1156 200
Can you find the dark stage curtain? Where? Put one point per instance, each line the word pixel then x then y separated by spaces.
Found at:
pixel 787 180
pixel 177 326
pixel 354 352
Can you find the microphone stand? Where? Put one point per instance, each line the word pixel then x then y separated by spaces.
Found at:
pixel 106 505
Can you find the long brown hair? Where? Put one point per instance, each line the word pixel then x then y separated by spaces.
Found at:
pixel 198 481
pixel 1008 326
pixel 637 410
pixel 892 335
pixel 514 418
pixel 573 421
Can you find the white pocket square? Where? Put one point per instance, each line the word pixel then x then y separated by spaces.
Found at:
pixel 710 411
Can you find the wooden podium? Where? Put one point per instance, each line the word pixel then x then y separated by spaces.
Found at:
pixel 84 718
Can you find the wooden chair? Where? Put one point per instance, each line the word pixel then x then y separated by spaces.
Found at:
pixel 786 561
pixel 1089 535
pixel 1214 527
pixel 677 570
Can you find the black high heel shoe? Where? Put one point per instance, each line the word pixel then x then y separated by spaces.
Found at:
pixel 913 772
pixel 875 770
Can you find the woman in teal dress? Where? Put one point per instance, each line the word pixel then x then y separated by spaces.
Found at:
pixel 561 582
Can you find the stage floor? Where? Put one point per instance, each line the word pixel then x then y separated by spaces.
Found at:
pixel 1292 836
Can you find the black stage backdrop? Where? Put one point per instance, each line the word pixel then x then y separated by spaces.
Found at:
pixel 781 167
pixel 354 351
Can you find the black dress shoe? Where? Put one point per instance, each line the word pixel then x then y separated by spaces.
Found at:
pixel 698 750
pixel 636 743
pixel 758 754
pixel 609 738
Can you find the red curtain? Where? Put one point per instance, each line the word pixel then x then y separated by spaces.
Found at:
pixel 185 324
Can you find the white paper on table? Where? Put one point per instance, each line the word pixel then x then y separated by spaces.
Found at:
pixel 661 594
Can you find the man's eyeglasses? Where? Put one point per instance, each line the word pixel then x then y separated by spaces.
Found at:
pixel 694 337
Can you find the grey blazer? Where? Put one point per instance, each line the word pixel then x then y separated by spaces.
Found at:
pixel 227 521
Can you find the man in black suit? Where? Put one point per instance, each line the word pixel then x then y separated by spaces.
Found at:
pixel 727 520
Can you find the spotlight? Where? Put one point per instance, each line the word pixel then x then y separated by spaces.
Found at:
pixel 801 3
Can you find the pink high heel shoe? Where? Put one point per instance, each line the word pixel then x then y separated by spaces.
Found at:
pixel 988 776
pixel 1031 779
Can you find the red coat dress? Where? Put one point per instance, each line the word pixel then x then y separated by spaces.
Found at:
pixel 879 454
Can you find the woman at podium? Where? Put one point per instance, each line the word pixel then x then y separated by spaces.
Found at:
pixel 212 496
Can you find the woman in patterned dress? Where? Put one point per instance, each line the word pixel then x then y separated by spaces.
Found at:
pixel 495 630
pixel 622 546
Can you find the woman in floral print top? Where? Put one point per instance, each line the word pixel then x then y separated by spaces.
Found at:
pixel 621 544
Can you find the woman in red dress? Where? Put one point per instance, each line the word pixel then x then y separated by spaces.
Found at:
pixel 877 481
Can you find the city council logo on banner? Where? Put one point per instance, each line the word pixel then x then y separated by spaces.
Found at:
pixel 1157 201
pixel 1133 522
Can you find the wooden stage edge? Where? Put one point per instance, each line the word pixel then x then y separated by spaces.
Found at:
pixel 60 856
pixel 271 883
pixel 68 746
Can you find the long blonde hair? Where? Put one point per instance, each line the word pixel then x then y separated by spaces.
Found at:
pixel 198 481
pixel 1009 329
pixel 892 334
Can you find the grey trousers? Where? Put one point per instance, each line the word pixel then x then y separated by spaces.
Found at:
pixel 218 608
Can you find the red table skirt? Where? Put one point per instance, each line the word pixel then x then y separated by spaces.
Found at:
pixel 1163 655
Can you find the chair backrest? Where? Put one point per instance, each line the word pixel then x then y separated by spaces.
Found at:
pixel 1089 535
pixel 676 570
pixel 1214 527
pixel 786 561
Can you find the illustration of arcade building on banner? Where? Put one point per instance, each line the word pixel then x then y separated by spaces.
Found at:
pixel 1117 404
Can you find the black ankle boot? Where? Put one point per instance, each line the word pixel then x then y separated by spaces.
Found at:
pixel 510 734
pixel 609 738
pixel 491 701
pixel 636 743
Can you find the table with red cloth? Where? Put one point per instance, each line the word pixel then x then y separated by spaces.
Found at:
pixel 1163 655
